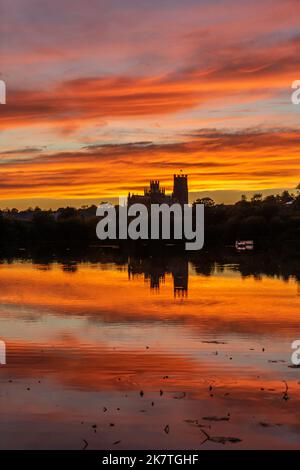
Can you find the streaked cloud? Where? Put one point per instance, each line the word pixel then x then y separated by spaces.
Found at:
pixel 104 96
pixel 215 160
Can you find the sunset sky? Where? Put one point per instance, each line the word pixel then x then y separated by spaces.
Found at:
pixel 103 95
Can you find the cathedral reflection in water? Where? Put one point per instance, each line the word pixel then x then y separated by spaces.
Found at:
pixel 155 271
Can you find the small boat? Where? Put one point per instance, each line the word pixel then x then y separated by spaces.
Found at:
pixel 244 245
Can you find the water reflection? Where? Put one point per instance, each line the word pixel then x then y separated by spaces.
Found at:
pixel 85 336
pixel 155 270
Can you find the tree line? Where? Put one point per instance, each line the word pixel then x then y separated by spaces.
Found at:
pixel 271 221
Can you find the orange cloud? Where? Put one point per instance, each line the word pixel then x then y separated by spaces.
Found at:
pixel 247 160
pixel 165 74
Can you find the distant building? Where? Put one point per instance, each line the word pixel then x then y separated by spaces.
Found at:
pixel 155 194
pixel 180 189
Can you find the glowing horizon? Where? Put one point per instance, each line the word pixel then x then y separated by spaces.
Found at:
pixel 102 98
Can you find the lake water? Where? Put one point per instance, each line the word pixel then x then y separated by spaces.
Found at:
pixel 145 355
